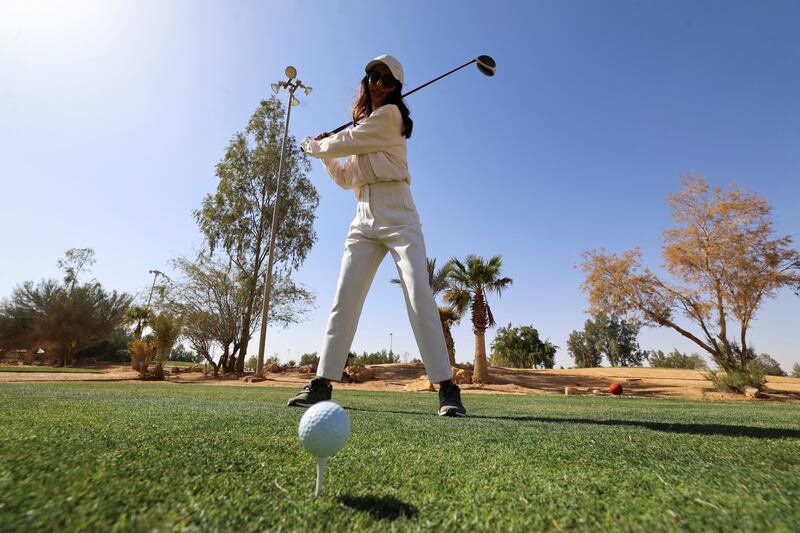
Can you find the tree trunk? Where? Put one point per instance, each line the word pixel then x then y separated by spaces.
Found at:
pixel 481 372
pixel 245 341
pixel 29 356
pixel 450 343
pixel 223 360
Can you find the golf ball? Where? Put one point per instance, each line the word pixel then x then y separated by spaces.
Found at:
pixel 324 429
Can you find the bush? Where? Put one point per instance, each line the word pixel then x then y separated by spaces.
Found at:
pixel 768 365
pixel 291 364
pixel 113 349
pixel 796 370
pixel 676 359
pixel 521 348
pixel 376 358
pixel 737 380
pixel 309 359
pixel 251 363
pixel 181 353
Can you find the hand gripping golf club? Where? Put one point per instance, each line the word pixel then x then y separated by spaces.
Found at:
pixel 484 63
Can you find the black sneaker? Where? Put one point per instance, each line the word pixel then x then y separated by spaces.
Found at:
pixel 450 400
pixel 316 391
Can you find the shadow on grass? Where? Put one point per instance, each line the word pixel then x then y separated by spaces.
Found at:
pixel 668 427
pixel 379 507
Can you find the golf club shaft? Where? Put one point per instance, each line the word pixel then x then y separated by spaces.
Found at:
pixel 412 91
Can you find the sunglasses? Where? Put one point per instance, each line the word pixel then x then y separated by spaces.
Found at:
pixel 388 80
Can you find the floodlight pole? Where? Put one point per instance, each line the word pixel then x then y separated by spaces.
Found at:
pixel 292 86
pixel 155 274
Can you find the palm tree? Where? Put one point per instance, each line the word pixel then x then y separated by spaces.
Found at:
pixel 470 282
pixel 449 318
pixel 166 328
pixel 138 316
pixel 439 282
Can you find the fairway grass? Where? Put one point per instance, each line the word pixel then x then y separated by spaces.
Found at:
pixel 166 457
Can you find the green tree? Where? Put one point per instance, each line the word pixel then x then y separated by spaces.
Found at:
pixel 382 357
pixel 181 353
pixel 166 328
pixel 62 319
pixel 309 359
pixel 609 337
pixel 75 262
pixel 676 359
pixel 470 282
pixel 583 350
pixel 212 304
pixel 521 348
pixel 768 365
pixel 236 219
pixel 448 316
pixel 796 370
pixel 138 316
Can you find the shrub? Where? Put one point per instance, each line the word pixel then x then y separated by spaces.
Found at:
pixel 142 352
pixel 676 359
pixel 376 358
pixel 113 349
pixel 251 363
pixel 768 365
pixel 291 364
pixel 737 380
pixel 181 353
pixel 796 370
pixel 309 359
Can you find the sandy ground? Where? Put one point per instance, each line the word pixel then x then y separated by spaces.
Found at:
pixel 641 382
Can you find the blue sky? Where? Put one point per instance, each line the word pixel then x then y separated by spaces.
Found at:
pixel 115 113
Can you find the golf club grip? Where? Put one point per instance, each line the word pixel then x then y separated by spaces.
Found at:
pixel 412 91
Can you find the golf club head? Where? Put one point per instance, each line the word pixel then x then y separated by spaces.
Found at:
pixel 486 65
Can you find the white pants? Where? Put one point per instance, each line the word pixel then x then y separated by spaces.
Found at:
pixel 386 220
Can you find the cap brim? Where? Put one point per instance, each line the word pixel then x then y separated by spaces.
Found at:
pixel 373 63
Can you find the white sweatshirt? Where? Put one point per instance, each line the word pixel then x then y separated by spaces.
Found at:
pixel 376 148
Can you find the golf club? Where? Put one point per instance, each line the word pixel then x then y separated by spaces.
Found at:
pixel 484 63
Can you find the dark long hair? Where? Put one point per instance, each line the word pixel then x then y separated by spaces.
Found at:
pixel 362 108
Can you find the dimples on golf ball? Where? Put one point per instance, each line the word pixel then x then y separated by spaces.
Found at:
pixel 324 429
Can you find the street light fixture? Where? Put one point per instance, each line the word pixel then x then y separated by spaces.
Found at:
pixel 291 84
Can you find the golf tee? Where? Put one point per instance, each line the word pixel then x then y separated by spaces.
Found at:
pixel 321 463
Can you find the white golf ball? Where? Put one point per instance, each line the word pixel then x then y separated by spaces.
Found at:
pixel 324 429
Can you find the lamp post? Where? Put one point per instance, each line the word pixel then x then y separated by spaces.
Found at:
pixel 155 274
pixel 291 84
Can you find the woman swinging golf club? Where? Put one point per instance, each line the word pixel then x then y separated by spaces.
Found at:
pixel 386 221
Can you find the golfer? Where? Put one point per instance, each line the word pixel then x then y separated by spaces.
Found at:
pixel 386 221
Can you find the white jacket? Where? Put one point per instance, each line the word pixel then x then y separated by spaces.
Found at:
pixel 376 148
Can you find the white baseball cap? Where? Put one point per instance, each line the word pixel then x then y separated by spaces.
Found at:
pixel 391 63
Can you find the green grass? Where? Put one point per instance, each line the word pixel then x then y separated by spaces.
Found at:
pixel 166 457
pixel 50 369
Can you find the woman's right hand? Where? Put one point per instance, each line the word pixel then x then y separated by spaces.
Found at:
pixel 321 136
